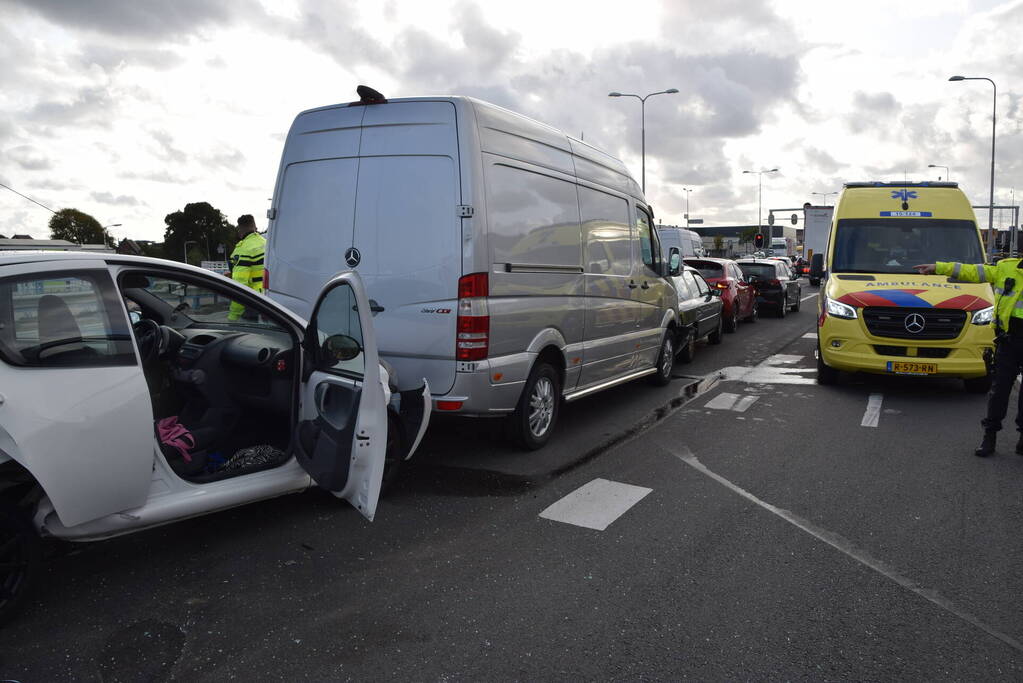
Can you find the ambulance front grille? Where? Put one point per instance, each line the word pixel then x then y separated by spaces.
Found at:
pixel 905 323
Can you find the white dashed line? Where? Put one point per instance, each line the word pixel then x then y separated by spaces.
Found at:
pixel 596 505
pixel 873 413
pixel 727 401
pixel 810 335
pixel 808 297
pixel 850 549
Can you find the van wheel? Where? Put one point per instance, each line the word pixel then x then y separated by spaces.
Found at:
pixel 825 373
pixel 665 360
pixel 19 559
pixel 978 385
pixel 532 423
pixel 393 452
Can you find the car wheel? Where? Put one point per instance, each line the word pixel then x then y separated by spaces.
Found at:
pixel 795 306
pixel 733 320
pixel 19 559
pixel 665 360
pixel 532 423
pixel 393 451
pixel 978 385
pixel 687 351
pixel 782 307
pixel 754 314
pixel 716 337
pixel 825 373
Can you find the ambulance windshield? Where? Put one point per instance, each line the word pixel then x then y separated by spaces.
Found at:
pixel 895 245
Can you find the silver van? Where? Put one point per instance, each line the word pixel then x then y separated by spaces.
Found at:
pixel 507 263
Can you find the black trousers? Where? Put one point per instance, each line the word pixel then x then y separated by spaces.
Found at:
pixel 1008 364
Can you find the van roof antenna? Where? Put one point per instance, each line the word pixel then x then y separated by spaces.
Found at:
pixel 368 95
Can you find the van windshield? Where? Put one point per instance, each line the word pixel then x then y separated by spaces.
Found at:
pixel 895 245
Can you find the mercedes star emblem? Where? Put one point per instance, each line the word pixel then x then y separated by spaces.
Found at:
pixel 914 323
pixel 353 257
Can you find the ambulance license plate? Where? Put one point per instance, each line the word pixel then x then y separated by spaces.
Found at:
pixel 900 368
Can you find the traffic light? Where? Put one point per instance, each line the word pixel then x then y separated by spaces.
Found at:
pixel 758 240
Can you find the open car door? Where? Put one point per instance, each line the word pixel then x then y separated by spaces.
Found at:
pixel 342 429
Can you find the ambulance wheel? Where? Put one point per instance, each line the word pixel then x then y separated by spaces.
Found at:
pixel 20 552
pixel 532 423
pixel 978 385
pixel 825 373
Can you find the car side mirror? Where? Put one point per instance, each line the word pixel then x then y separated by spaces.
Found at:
pixel 337 348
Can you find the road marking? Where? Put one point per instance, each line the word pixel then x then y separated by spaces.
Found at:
pixel 596 505
pixel 810 335
pixel 873 413
pixel 769 371
pixel 808 297
pixel 727 401
pixel 848 548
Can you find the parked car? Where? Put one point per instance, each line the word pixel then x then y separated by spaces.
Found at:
pixel 130 400
pixel 699 312
pixel 786 260
pixel 776 286
pixel 738 298
pixel 511 265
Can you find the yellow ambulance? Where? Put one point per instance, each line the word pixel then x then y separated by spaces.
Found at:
pixel 876 314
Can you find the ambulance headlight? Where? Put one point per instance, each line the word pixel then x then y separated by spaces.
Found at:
pixel 984 316
pixel 840 310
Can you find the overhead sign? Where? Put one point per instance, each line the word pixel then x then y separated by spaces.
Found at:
pixel 695 221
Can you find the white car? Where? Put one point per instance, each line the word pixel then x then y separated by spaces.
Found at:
pixel 136 392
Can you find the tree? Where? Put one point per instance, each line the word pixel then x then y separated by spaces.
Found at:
pixel 79 227
pixel 719 243
pixel 203 228
pixel 748 234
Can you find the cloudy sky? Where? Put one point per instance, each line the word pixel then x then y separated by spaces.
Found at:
pixel 129 109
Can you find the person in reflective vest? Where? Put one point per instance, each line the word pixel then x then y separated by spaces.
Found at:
pixel 247 264
pixel 1006 279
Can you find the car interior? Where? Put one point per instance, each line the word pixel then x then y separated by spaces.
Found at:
pixel 222 389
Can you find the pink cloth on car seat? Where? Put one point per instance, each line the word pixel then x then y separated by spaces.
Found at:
pixel 174 434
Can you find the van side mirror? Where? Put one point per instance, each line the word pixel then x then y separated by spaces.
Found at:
pixel 674 262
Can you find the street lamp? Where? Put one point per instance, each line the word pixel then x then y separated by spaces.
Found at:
pixel 825 195
pixel 948 176
pixel 642 101
pixel 991 198
pixel 687 190
pixel 760 194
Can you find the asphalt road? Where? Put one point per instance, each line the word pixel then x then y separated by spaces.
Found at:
pixel 776 533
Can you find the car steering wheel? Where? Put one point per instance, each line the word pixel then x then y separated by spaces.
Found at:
pixel 148 335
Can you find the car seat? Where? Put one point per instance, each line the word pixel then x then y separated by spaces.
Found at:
pixel 57 326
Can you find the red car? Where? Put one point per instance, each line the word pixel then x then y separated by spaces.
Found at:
pixel 739 298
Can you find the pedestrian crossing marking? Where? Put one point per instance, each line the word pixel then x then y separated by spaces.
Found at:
pixel 596 505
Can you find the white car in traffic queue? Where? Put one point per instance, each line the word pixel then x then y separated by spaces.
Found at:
pixel 97 351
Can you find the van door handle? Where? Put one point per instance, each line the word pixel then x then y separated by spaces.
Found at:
pixel 632 284
pixel 646 285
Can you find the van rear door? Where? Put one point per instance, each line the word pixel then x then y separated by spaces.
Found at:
pixel 408 234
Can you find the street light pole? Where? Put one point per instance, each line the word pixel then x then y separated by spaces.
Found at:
pixel 825 195
pixel 687 190
pixel 642 109
pixel 991 196
pixel 948 176
pixel 760 194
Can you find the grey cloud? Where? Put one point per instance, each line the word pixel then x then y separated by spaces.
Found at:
pixel 142 18
pixel 118 200
pixel 53 185
pixel 29 158
pixel 89 105
pixel 820 160
pixel 330 26
pixel 870 109
pixel 231 159
pixel 109 57
pixel 157 177
pixel 167 150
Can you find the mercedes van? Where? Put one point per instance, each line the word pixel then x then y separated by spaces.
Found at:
pixel 509 265
pixel 877 314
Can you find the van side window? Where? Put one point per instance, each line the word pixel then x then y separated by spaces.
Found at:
pixel 605 221
pixel 72 319
pixel 646 239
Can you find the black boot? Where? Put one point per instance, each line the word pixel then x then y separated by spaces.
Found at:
pixel 987 446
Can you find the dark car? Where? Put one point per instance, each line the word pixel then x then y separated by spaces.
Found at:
pixel 739 299
pixel 699 312
pixel 776 285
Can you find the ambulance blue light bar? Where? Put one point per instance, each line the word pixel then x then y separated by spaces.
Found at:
pixel 925 183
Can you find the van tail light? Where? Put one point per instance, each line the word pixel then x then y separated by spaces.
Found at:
pixel 473 326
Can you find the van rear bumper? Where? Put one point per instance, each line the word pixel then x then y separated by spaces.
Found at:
pixel 487 388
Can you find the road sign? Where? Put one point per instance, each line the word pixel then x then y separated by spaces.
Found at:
pixel 770 219
pixel 695 221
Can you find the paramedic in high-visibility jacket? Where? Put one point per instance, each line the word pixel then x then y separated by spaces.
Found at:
pixel 1006 279
pixel 247 264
